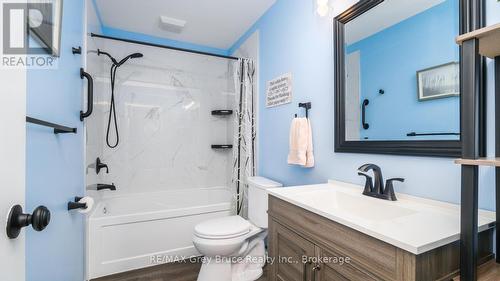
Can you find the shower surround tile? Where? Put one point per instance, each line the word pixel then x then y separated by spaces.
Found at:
pixel 163 105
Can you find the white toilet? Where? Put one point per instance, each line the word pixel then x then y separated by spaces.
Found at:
pixel 227 243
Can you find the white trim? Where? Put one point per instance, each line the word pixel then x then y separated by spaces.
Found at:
pixel 12 165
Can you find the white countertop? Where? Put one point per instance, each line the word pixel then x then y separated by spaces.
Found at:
pixel 414 224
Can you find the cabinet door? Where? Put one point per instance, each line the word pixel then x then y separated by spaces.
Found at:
pixel 289 249
pixel 333 269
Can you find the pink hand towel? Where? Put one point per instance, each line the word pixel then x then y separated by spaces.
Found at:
pixel 309 152
pixel 301 150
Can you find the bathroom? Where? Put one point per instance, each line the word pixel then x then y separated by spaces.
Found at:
pixel 220 140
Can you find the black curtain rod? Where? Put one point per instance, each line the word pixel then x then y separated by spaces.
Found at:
pixel 162 46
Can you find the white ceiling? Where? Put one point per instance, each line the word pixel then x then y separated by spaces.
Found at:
pixel 213 23
pixel 385 15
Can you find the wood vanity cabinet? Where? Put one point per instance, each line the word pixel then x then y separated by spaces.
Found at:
pixel 307 247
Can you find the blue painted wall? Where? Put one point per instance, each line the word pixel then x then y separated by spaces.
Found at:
pixel 305 47
pixel 54 164
pixel 422 41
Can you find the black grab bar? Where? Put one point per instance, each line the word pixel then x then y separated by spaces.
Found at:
pixel 90 94
pixel 58 129
pixel 363 114
pixel 414 134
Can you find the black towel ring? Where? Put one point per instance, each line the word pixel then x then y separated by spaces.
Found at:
pixel 307 106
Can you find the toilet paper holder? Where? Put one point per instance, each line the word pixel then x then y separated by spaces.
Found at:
pixel 76 204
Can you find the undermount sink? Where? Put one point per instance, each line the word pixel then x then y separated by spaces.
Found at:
pixel 358 206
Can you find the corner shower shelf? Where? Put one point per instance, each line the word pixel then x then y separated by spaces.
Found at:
pixel 489 40
pixel 222 112
pixel 222 146
pixel 58 129
pixel 491 162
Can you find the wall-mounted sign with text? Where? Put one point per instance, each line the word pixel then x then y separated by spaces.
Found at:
pixel 279 91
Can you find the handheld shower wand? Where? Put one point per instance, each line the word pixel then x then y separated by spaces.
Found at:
pixel 112 109
pixel 132 56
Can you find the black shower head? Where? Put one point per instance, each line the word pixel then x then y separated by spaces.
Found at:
pixel 115 62
pixel 132 56
pixel 136 55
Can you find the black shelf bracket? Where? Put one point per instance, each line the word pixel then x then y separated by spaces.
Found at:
pixel 90 94
pixel 222 146
pixel 58 129
pixel 222 112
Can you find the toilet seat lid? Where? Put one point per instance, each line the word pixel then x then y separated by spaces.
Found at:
pixel 223 228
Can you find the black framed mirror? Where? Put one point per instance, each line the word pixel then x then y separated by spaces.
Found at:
pixel 397 76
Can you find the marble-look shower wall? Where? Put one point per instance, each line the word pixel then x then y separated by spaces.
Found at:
pixel 163 104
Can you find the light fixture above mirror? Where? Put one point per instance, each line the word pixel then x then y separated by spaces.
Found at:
pixel 323 7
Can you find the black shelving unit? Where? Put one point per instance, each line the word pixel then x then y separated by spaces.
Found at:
pixel 475 45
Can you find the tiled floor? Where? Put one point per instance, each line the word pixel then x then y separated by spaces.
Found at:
pixel 167 272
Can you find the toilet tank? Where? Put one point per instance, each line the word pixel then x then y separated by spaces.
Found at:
pixel 258 199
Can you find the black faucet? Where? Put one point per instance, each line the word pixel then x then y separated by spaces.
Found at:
pixel 378 191
pixel 101 186
pixel 99 165
pixel 377 172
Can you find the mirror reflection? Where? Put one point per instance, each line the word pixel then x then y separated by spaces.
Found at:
pixel 402 72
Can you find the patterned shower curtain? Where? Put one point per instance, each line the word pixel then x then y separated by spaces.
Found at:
pixel 244 133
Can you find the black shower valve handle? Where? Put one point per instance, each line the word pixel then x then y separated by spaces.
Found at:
pixel 99 165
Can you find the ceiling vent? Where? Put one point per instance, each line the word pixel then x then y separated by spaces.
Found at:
pixel 172 24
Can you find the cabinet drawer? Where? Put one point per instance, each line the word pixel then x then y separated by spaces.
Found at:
pixel 371 254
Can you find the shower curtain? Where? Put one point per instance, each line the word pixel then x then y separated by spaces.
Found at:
pixel 245 133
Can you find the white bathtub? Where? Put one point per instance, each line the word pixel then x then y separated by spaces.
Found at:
pixel 128 232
